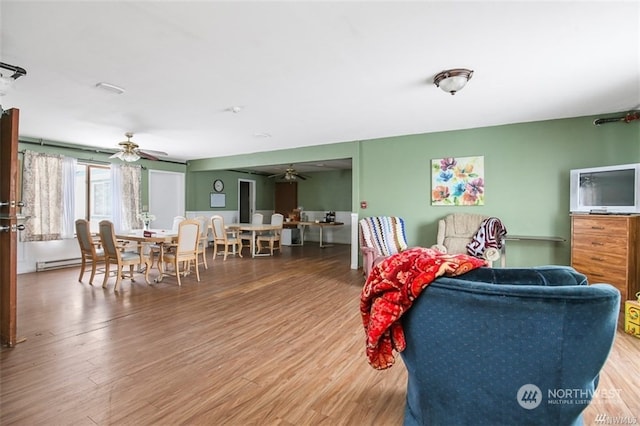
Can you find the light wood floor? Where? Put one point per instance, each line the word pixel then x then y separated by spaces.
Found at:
pixel 266 341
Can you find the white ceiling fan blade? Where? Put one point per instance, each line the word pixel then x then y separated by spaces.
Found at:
pixel 152 152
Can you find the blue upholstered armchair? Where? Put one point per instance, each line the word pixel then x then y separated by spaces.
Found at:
pixel 507 347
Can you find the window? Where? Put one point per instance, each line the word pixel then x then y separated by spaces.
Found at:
pixel 93 194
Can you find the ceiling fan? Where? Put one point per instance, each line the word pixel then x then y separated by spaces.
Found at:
pixel 130 152
pixel 290 174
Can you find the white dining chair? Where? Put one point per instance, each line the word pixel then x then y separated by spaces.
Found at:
pixel 256 219
pixel 221 236
pixel 272 237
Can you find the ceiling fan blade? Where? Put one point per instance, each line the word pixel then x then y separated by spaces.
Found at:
pixel 276 175
pixel 152 152
pixel 146 155
pixel 117 155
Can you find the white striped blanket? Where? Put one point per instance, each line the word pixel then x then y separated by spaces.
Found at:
pixel 385 234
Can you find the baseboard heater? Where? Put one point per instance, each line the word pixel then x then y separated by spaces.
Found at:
pixel 57 264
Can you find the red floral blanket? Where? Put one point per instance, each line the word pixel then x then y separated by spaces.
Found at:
pixel 390 290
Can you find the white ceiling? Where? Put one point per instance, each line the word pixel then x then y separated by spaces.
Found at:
pixel 308 72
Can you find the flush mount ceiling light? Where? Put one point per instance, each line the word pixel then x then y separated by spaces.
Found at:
pixel 110 88
pixel 452 80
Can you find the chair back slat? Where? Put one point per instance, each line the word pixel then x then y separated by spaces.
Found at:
pixel 188 236
pixel 218 227
pixel 84 236
pixel 108 239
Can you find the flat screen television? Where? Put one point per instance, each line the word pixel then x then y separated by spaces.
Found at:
pixel 609 189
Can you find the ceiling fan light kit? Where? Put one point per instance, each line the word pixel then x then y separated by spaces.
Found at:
pixel 130 151
pixel 452 80
pixel 290 175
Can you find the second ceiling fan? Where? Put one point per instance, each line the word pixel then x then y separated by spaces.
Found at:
pixel 290 174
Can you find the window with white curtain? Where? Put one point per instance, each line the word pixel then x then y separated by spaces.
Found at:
pixel 58 190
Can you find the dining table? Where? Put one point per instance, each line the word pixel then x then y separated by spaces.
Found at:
pixel 302 225
pixel 254 229
pixel 159 237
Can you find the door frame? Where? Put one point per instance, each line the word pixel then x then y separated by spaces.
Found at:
pixel 8 213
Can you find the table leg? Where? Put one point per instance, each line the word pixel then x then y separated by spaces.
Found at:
pixel 254 246
pixel 160 264
pixel 321 244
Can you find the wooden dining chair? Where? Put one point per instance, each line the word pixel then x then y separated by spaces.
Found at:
pixel 203 241
pixel 155 249
pixel 272 237
pixel 184 251
pixel 256 219
pixel 113 254
pixel 90 249
pixel 223 237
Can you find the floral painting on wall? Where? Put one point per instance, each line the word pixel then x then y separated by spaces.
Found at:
pixel 457 181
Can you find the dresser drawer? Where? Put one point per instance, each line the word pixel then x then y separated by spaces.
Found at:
pixel 598 245
pixel 611 227
pixel 613 260
pixel 599 274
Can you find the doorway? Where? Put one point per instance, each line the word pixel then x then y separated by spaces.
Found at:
pixel 286 197
pixel 246 199
pixel 166 197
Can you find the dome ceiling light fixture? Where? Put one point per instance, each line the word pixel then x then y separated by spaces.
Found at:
pixel 452 80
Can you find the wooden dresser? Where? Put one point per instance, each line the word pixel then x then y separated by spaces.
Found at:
pixel 605 249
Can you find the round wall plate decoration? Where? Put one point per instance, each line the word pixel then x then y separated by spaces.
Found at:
pixel 218 185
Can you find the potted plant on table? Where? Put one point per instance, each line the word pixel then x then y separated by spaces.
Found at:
pixel 146 219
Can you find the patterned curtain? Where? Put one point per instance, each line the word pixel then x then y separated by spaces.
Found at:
pixel 43 196
pixel 126 183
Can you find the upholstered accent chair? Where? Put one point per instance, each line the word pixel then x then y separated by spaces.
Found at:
pixel 501 346
pixel 380 236
pixel 114 254
pixel 90 250
pixel 457 230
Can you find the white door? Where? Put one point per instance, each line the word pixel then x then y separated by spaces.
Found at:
pixel 166 197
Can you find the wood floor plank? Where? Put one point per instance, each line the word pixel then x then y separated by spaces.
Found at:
pixel 268 341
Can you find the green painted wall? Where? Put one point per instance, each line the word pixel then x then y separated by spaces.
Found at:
pixel 526 172
pixel 200 186
pixel 326 191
